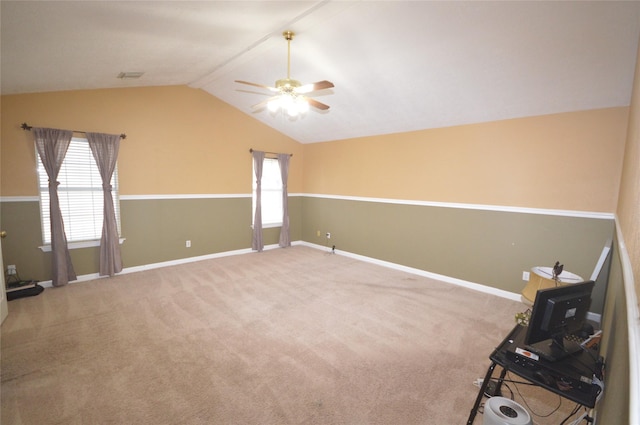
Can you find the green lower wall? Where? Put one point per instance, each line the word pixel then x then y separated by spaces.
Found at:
pixel 21 221
pixel 155 231
pixel 491 248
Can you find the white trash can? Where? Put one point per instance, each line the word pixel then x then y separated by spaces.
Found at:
pixel 503 411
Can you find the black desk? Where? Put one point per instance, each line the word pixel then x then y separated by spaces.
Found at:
pixel 572 375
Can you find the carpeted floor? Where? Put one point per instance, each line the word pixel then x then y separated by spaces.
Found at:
pixel 287 336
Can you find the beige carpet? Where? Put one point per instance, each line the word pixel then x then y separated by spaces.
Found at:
pixel 288 336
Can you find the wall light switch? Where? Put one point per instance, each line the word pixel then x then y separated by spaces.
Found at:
pixel 525 276
pixel 188 244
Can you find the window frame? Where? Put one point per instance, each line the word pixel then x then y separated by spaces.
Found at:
pixel 270 188
pixel 92 173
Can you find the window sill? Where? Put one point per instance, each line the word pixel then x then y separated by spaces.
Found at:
pixel 78 245
pixel 268 225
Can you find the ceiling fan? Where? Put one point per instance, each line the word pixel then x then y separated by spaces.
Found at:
pixel 290 94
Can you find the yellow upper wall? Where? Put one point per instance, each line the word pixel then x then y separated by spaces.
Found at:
pixel 569 161
pixel 629 203
pixel 185 141
pixel 179 140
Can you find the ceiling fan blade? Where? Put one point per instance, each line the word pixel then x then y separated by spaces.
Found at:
pixel 264 103
pixel 257 85
pixel 317 104
pixel 320 85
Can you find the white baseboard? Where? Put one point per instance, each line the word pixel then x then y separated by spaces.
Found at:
pixel 448 279
pixel 419 272
pixel 134 269
pixel 594 317
pixel 470 285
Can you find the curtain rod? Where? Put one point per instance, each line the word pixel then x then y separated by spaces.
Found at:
pixel 26 127
pixel 272 153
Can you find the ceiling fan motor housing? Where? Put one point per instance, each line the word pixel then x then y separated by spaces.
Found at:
pixel 287 85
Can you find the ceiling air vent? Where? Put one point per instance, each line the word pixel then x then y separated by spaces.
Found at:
pixel 130 75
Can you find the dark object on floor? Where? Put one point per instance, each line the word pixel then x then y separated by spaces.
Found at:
pixel 28 290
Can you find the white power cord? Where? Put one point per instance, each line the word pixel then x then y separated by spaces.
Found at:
pixel 579 419
pixel 600 384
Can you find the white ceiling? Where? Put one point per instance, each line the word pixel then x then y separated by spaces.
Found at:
pixel 397 65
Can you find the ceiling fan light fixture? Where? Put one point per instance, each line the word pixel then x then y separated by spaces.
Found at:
pixel 290 104
pixel 293 112
pixel 274 105
pixel 303 105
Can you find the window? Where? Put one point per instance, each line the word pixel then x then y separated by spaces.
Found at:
pixel 271 193
pixel 80 193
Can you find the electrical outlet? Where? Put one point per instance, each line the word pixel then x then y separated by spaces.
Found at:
pixel 328 235
pixel 188 244
pixel 318 233
pixel 11 270
pixel 525 276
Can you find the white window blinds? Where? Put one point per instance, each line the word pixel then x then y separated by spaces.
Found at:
pixel 80 193
pixel 271 194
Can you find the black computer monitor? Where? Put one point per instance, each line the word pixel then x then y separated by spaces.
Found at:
pixel 558 312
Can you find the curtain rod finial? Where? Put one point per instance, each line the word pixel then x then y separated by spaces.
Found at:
pixel 24 126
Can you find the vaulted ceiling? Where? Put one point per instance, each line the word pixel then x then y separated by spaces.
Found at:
pixel 397 65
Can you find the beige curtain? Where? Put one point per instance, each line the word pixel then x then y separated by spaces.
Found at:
pixel 105 151
pixel 52 145
pixel 256 241
pixel 285 238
